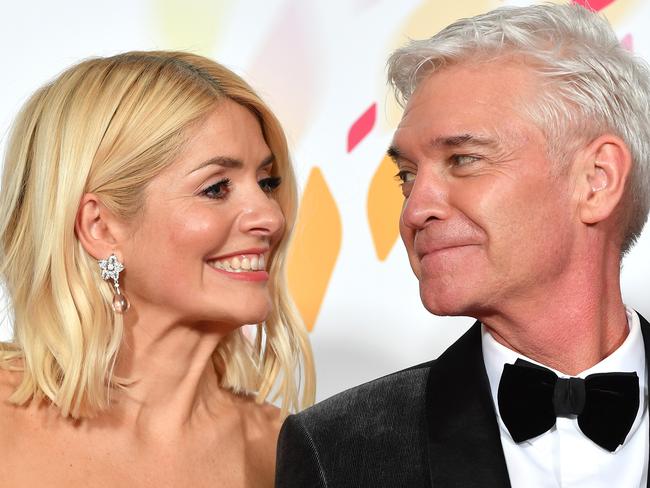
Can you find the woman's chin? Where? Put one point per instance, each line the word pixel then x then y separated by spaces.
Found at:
pixel 247 317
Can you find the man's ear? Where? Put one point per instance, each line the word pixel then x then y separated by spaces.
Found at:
pixel 605 168
pixel 96 227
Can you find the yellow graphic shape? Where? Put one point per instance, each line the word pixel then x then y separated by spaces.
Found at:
pixel 384 208
pixel 433 15
pixel 426 20
pixel 620 10
pixel 315 247
pixel 191 25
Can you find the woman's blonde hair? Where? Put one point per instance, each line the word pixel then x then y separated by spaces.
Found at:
pixel 108 126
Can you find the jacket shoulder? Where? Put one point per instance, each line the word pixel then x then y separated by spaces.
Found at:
pixel 373 401
pixel 371 435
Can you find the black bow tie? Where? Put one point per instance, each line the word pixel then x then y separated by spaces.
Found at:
pixel 531 397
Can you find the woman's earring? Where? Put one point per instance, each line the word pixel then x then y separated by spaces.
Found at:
pixel 111 269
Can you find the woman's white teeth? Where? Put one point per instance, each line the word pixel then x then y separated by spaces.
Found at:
pixel 246 264
pixel 237 264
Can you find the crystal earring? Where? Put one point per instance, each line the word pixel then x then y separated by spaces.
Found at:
pixel 111 269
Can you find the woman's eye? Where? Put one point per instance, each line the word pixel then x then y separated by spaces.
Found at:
pixel 218 190
pixel 270 184
pixel 405 176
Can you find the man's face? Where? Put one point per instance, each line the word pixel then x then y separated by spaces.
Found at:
pixel 488 221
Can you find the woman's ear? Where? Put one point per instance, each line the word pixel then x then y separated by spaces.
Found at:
pixel 96 227
pixel 605 170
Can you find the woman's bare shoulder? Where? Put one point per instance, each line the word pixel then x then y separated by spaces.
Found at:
pixel 261 422
pixel 262 419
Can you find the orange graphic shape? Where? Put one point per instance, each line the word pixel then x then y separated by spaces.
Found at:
pixel 384 208
pixel 315 247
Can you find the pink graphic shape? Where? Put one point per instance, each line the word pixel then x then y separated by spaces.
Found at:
pixel 362 127
pixel 594 4
pixel 628 42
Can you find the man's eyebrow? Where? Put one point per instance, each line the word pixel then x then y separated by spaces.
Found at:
pixel 394 153
pixel 446 142
pixel 228 162
pixel 462 140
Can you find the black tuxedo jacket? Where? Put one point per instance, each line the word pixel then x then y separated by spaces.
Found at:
pixel 432 425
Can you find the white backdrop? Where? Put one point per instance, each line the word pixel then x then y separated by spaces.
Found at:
pixel 320 64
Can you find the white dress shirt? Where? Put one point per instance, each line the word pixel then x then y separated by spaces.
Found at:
pixel 564 456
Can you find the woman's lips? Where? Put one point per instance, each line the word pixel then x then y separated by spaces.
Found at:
pixel 245 265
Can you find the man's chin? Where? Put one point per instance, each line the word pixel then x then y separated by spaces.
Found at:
pixel 443 304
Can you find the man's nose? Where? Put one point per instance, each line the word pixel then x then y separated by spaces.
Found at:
pixel 427 201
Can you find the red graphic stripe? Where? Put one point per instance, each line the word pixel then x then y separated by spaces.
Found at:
pixel 594 4
pixel 362 127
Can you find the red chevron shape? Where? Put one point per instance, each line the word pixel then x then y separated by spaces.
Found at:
pixel 362 127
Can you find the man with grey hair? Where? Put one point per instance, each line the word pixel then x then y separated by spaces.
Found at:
pixel 524 155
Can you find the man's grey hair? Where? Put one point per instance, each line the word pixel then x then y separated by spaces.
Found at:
pixel 591 85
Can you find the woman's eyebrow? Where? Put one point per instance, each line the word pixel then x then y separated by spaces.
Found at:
pixel 232 163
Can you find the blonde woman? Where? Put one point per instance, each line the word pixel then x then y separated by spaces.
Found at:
pixel 146 205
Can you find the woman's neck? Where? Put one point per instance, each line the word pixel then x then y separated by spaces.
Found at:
pixel 173 380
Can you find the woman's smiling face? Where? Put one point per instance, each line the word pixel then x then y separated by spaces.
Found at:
pixel 199 252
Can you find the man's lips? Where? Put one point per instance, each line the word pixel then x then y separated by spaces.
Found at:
pixel 422 251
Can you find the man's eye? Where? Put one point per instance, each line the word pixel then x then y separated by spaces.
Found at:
pixel 270 184
pixel 405 176
pixel 463 159
pixel 218 190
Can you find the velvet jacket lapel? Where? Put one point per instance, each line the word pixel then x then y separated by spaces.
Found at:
pixel 645 332
pixel 464 445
